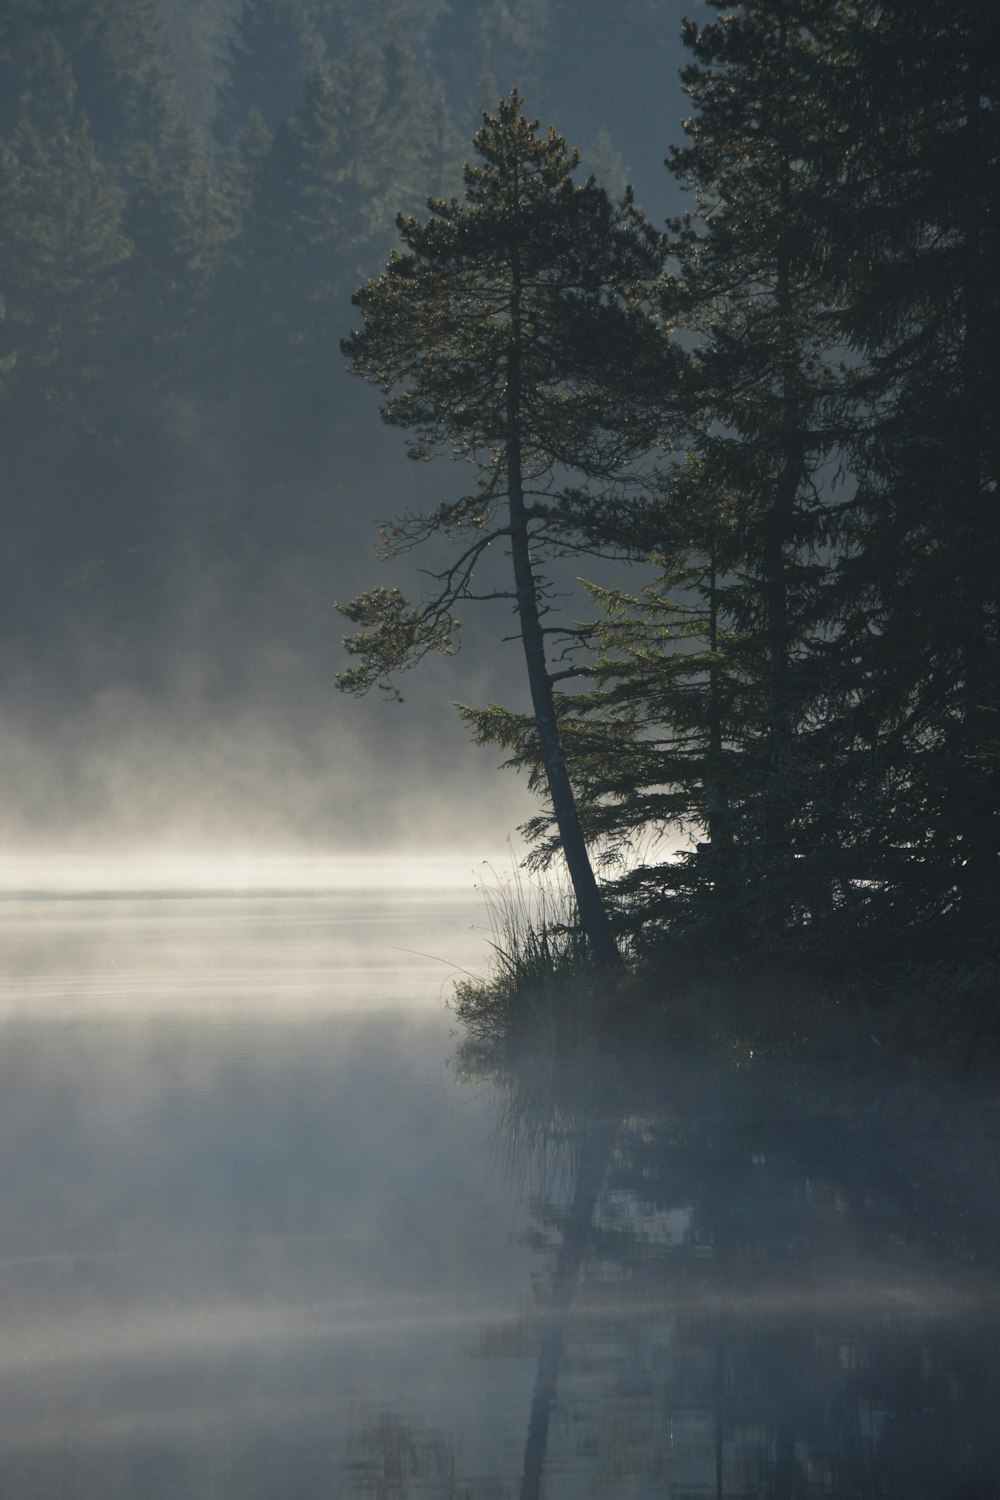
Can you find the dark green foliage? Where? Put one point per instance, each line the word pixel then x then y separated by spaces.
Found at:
pixel 846 152
pixel 709 681
pixel 759 161
pixel 808 686
pixel 437 326
pixel 923 310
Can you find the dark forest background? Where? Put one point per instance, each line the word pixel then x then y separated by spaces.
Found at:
pixel 190 191
pixel 800 668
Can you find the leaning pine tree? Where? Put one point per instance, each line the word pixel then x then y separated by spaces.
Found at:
pixel 514 332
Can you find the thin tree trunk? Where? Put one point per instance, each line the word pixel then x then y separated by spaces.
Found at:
pixel 590 904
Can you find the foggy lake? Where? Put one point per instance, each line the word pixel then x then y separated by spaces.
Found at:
pixel 271 1228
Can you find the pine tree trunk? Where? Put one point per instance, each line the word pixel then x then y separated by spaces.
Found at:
pixel 590 905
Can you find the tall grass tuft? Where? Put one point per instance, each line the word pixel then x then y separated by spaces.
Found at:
pixel 539 987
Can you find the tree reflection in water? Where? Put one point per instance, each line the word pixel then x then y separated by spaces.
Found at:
pixel 391 1457
pixel 271 1280
pixel 783 1284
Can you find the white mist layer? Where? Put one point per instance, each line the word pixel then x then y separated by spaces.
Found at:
pixel 168 872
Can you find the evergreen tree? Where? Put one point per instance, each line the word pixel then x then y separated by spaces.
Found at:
pixel 343 127
pixel 315 203
pixel 115 53
pixel 367 23
pixel 512 332
pixel 417 146
pixel 62 255
pixel 718 683
pixel 63 260
pixel 307 200
pixel 275 46
pixel 177 221
pixel 837 280
pixel 916 253
pixel 761 157
pixel 656 737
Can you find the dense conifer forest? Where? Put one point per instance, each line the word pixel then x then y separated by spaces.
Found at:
pixel 796 664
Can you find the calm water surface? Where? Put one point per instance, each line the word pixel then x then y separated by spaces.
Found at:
pixel 270 1230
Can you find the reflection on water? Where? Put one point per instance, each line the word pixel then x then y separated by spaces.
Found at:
pixel 788 1288
pixel 260 1238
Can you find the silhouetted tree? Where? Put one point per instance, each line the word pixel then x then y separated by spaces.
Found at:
pixel 513 332
pixel 762 153
pixel 654 737
pixel 918 242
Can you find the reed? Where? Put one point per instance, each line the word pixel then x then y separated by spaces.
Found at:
pixel 539 983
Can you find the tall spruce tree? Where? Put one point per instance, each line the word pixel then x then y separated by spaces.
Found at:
pixel 348 166
pixel 715 680
pixel 513 332
pixel 315 203
pixel 843 156
pixel 917 249
pixel 762 153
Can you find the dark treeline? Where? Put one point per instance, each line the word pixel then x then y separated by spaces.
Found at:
pixel 804 676
pixel 808 685
pixel 811 683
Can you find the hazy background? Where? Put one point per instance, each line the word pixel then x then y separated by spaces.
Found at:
pixel 190 191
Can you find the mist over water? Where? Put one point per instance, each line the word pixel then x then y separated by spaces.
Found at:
pixel 225 1098
pixel 301 770
pixel 271 1227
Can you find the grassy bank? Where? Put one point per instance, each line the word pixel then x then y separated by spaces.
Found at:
pixel 541 990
